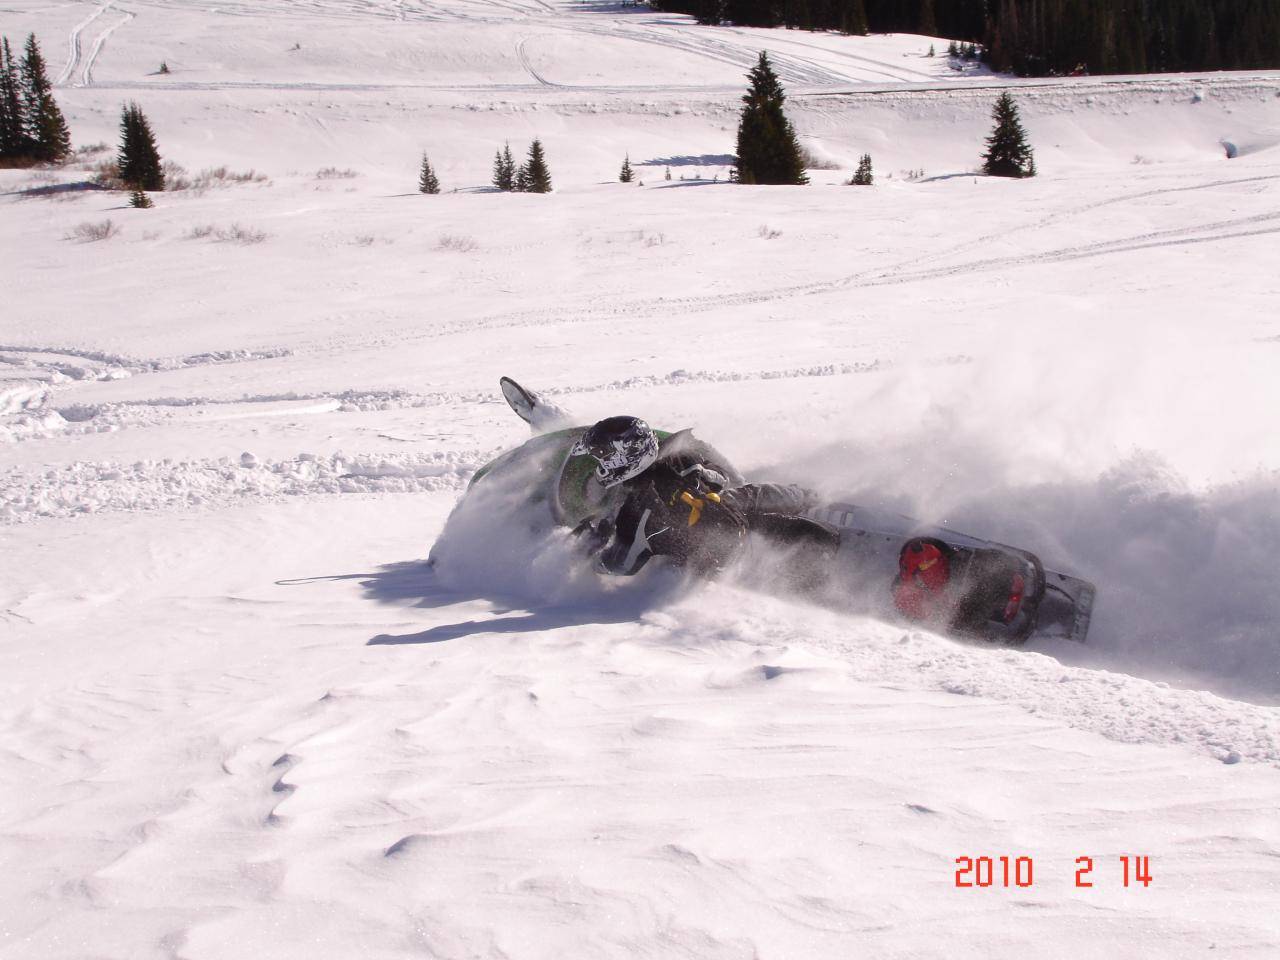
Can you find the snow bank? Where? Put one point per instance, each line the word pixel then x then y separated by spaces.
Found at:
pixel 83 487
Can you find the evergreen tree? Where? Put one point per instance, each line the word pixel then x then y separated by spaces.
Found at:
pixel 140 200
pixel 45 127
pixel 1008 153
pixel 1041 37
pixel 522 182
pixel 863 176
pixel 13 134
pixel 138 160
pixel 768 151
pixel 626 176
pixel 427 180
pixel 854 21
pixel 504 170
pixel 535 169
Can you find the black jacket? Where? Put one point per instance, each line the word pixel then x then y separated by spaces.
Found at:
pixel 693 508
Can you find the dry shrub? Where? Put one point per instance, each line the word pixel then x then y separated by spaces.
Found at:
pixel 457 244
pixel 812 161
pixel 92 232
pixel 236 233
pixel 221 176
pixel 333 173
pixel 106 174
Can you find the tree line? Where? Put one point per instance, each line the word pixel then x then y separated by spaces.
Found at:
pixel 770 153
pixel 1042 37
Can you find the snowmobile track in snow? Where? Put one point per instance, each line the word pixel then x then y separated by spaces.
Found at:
pixel 73 43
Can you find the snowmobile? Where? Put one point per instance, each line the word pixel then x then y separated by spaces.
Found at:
pixel 896 568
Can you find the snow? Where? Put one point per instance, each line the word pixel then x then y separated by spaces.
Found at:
pixel 238 713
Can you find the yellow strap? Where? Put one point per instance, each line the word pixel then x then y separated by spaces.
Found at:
pixel 695 507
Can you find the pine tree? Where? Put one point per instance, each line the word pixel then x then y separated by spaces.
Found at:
pixel 138 160
pixel 1008 153
pixel 427 180
pixel 626 176
pixel 863 176
pixel 13 134
pixel 535 168
pixel 768 151
pixel 504 170
pixel 522 181
pixel 45 127
pixel 140 200
pixel 854 20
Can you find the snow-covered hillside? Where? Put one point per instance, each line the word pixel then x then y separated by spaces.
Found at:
pixel 239 716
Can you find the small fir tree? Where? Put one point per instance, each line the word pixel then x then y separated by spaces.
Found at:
pixel 140 200
pixel 427 180
pixel 932 52
pixel 164 67
pixel 952 49
pixel 504 170
pixel 536 171
pixel 1008 153
pixel 13 132
pixel 522 179
pixel 46 130
pixel 626 176
pixel 138 159
pixel 768 151
pixel 863 176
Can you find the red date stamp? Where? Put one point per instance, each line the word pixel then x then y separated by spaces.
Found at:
pixel 1020 871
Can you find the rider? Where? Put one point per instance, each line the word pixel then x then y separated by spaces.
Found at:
pixel 679 500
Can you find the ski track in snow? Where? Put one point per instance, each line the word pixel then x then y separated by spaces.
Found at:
pixel 86 76
pixel 33 414
pixel 73 44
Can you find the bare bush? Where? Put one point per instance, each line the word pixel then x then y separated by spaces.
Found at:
pixel 457 244
pixel 91 232
pixel 90 150
pixel 766 232
pixel 175 176
pixel 363 240
pixel 240 234
pixel 814 162
pixel 220 176
pixel 333 173
pixel 236 233
pixel 106 175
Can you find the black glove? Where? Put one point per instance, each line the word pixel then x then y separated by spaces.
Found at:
pixel 594 536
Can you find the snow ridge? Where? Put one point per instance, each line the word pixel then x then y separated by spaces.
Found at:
pixel 85 487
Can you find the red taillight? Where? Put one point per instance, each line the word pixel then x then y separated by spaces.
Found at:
pixel 1015 598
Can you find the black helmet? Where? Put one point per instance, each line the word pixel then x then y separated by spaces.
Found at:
pixel 624 447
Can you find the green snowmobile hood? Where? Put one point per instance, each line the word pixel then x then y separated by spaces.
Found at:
pixel 558 477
